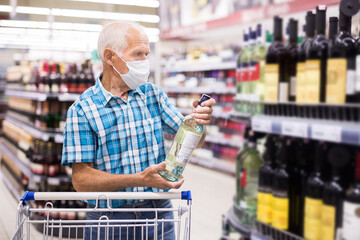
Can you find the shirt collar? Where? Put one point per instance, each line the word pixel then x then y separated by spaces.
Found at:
pixel 108 95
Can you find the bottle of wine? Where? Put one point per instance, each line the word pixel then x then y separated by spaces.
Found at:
pixel 301 90
pixel 351 208
pixel 264 204
pixel 185 141
pixel 317 54
pixel 313 199
pixel 292 49
pixel 249 179
pixel 275 67
pixel 357 84
pixel 280 188
pixel 240 156
pixel 241 70
pixel 254 69
pixel 341 85
pixel 259 57
pixel 333 194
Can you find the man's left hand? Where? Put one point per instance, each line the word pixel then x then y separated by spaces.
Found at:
pixel 203 114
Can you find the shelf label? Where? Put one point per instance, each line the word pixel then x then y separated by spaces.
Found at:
pixel 261 125
pixel 326 133
pixel 295 129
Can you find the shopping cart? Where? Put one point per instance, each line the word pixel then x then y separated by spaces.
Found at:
pixel 50 227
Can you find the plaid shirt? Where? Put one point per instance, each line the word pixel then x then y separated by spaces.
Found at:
pixel 119 137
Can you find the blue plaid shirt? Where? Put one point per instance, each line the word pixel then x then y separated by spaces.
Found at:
pixel 119 137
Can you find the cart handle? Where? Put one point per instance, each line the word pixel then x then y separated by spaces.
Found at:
pixel 184 195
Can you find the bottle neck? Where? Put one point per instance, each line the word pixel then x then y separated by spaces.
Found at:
pixel 320 22
pixel 344 23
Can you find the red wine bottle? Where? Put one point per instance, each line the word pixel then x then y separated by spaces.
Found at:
pixel 351 208
pixel 292 49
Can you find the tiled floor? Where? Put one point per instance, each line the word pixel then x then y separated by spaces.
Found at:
pixel 212 196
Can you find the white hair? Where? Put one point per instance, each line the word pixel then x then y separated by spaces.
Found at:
pixel 114 35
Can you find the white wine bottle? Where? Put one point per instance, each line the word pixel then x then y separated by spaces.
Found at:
pixel 185 141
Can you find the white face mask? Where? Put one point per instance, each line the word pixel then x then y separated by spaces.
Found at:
pixel 138 74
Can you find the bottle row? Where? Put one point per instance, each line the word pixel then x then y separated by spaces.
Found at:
pixel 308 188
pixel 43 115
pixel 313 69
pixel 51 77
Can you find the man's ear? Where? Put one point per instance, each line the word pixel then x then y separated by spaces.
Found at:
pixel 108 56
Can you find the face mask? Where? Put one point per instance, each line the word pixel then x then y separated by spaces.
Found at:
pixel 138 73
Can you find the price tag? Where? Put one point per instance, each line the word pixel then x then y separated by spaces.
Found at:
pixel 327 133
pixel 261 125
pixel 295 129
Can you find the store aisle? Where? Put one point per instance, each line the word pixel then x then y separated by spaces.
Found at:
pixel 212 195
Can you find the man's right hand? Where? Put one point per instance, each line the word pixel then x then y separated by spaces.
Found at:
pixel 151 178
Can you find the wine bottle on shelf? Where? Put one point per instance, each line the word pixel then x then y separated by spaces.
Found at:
pixel 275 67
pixel 245 73
pixel 313 199
pixel 351 207
pixel 253 70
pixel 185 142
pixel 43 76
pixel 241 70
pixel 292 49
pixel 258 56
pixel 280 188
pixel 333 194
pixel 48 79
pixel 249 178
pixel 341 70
pixel 239 157
pixel 63 79
pixel 357 84
pixel 264 204
pixel 55 78
pixel 301 90
pixel 317 54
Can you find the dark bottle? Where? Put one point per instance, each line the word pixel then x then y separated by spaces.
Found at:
pixel 317 54
pixel 53 165
pixel 264 204
pixel 292 49
pixel 351 207
pixel 280 188
pixel 82 84
pixel 89 74
pixel 43 77
pixel 63 79
pixel 73 79
pixel 313 199
pixel 276 87
pixel 49 79
pixel 341 85
pixel 34 156
pixel 301 89
pixel 333 193
pixel 357 84
pixel 55 78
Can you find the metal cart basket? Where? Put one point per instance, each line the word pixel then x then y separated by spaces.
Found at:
pixel 49 226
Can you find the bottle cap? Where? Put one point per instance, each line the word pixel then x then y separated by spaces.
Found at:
pixel 203 98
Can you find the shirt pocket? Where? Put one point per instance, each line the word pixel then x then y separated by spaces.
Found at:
pixel 148 125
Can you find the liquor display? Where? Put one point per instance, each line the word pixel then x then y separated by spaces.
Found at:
pixel 185 141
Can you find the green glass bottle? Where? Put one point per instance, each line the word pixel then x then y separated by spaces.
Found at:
pixel 243 151
pixel 249 179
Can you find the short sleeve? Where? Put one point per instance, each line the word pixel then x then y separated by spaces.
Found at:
pixel 79 141
pixel 170 117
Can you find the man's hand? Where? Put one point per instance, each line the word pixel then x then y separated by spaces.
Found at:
pixel 151 178
pixel 203 114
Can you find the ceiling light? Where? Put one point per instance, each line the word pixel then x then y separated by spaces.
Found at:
pixel 140 3
pixel 83 14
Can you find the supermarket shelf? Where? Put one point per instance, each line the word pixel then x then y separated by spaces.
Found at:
pixel 11 185
pixel 200 90
pixel 216 114
pixel 240 117
pixel 214 163
pixel 68 97
pixel 63 97
pixel 325 130
pixel 44 136
pixel 24 168
pixel 199 67
pixel 223 141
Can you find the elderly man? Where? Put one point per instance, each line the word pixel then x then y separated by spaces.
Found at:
pixel 113 137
